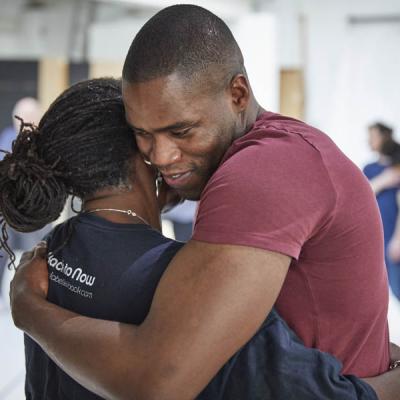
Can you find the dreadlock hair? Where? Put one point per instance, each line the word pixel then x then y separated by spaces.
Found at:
pixel 81 145
pixel 188 40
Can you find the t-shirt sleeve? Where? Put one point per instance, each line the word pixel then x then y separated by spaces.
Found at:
pixel 274 195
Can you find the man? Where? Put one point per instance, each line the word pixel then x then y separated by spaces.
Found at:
pixel 282 213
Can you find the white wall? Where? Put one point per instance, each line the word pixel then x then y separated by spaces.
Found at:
pixel 110 40
pixel 52 31
pixel 58 29
pixel 329 89
pixel 257 38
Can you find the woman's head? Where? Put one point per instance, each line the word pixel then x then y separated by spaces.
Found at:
pixel 379 135
pixel 81 145
pixel 381 140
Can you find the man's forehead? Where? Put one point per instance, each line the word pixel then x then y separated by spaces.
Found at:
pixel 158 95
pixel 173 88
pixel 150 107
pixel 173 83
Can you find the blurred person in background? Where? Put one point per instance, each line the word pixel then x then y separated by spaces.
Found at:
pixel 28 109
pixel 384 175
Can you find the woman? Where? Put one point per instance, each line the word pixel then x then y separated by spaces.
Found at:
pixel 385 181
pixel 107 261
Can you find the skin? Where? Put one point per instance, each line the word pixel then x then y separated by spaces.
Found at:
pixel 141 198
pixel 179 132
pixel 207 292
pixel 375 139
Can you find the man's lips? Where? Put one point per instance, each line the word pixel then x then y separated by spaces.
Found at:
pixel 177 179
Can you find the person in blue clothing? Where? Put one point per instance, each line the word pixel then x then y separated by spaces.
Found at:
pixel 107 261
pixel 26 108
pixel 384 176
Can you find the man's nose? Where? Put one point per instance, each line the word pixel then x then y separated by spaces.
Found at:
pixel 164 152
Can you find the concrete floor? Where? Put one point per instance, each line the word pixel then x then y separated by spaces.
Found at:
pixel 12 354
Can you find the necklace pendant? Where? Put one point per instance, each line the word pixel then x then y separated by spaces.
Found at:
pixel 128 212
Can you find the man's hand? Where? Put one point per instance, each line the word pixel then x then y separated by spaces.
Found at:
pixel 207 305
pixel 31 279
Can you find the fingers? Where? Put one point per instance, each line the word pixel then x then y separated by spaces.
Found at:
pixel 26 256
pixel 39 251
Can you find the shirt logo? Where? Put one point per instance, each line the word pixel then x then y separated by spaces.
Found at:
pixel 72 272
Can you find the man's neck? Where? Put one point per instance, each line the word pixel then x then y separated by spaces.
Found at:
pixel 252 114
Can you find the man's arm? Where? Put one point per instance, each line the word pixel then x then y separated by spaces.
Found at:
pixel 116 360
pixel 210 302
pixel 387 386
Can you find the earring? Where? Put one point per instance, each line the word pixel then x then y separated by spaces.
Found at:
pixel 146 161
pixel 158 183
pixel 73 202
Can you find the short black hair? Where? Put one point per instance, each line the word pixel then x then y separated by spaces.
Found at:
pixel 185 39
pixel 81 145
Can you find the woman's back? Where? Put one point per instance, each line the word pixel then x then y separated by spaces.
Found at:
pixel 110 271
pixel 105 270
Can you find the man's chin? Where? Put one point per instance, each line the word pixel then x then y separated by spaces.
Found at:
pixel 194 190
pixel 193 193
pixel 189 195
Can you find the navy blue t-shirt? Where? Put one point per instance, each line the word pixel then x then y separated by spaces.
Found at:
pixel 110 271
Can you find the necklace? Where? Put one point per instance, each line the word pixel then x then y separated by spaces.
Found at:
pixel 128 212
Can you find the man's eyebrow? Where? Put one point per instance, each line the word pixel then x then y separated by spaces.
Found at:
pixel 132 126
pixel 177 126
pixel 172 127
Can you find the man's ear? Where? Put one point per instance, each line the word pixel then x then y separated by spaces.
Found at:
pixel 240 92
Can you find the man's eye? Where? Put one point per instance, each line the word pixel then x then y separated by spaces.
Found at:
pixel 140 133
pixel 180 133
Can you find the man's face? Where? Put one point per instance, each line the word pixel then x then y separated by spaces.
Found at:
pixel 182 129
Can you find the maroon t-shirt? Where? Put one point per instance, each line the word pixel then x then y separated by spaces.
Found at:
pixel 286 187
